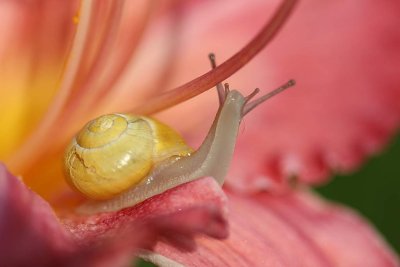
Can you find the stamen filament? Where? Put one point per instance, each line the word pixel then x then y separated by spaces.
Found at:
pixel 223 71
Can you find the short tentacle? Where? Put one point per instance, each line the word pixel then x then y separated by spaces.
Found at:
pixel 220 89
pixel 252 95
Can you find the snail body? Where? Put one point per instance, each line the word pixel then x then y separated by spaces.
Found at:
pixel 212 158
pixel 114 152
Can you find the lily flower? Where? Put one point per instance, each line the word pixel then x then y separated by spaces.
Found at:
pixel 64 63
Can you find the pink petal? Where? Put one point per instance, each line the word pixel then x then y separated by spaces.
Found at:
pixel 297 229
pixel 106 37
pixel 196 207
pixel 32 234
pixel 34 38
pixel 346 105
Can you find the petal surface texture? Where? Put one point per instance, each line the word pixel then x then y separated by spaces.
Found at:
pixel 30 232
pixel 33 46
pixel 177 214
pixel 293 230
pixel 33 235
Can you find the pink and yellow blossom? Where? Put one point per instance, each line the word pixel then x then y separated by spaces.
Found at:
pixel 66 62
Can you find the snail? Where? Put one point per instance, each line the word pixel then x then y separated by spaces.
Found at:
pixel 119 160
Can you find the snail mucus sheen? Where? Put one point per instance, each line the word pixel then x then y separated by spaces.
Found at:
pixel 119 160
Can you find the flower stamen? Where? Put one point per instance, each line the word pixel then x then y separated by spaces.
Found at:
pixel 223 71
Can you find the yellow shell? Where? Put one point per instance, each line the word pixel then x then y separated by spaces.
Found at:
pixel 114 152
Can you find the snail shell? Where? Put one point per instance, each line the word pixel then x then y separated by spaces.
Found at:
pixel 115 152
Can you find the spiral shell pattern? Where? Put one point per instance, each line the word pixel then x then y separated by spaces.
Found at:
pixel 115 152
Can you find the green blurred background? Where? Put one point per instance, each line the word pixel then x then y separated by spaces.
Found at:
pixel 374 191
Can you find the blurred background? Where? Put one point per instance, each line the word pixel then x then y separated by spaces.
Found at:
pixel 373 191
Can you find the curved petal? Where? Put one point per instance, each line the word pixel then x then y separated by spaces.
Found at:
pixel 107 35
pixel 296 229
pixel 103 45
pixel 35 37
pixel 176 216
pixel 31 234
pixel 345 105
pixel 192 208
pixel 103 50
